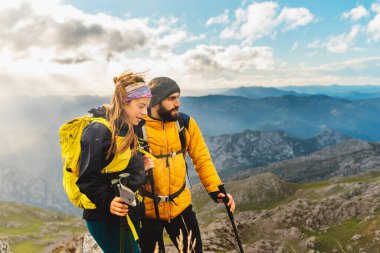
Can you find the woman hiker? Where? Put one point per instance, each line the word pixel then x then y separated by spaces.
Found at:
pixel 107 152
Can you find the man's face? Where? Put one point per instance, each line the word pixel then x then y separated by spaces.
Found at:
pixel 168 108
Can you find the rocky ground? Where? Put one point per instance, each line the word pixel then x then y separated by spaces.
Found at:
pixel 328 217
pixel 339 215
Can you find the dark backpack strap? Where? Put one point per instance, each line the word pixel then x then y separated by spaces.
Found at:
pixel 181 130
pixel 140 131
pixel 185 119
pixel 182 123
pixel 161 198
pixel 171 154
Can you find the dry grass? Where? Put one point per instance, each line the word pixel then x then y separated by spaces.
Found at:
pixel 340 246
pixel 190 244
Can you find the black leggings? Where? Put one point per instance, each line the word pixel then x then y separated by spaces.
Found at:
pixel 186 221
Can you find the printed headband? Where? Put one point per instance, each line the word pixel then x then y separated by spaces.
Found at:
pixel 137 90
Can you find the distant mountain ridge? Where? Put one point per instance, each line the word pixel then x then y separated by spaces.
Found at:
pixel 250 149
pixel 345 159
pixel 303 116
pixel 336 91
pixel 231 153
pixel 30 143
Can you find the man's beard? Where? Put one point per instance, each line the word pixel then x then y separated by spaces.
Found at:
pixel 167 115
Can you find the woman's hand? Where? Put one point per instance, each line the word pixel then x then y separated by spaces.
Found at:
pixel 118 207
pixel 148 162
pixel 230 203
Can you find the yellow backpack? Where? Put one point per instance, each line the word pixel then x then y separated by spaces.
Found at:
pixel 70 134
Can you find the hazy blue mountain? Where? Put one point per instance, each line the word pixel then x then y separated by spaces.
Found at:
pixel 345 159
pixel 30 143
pixel 336 91
pixel 256 92
pixel 348 92
pixel 33 174
pixel 302 116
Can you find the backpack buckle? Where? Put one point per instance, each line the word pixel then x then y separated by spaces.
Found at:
pixel 163 198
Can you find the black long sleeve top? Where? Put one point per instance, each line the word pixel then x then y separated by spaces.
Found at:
pixel 95 142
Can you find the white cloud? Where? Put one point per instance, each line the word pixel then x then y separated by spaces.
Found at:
pixel 63 29
pixel 294 17
pixel 233 58
pixel 311 54
pixel 356 13
pixel 341 43
pixel 261 19
pixel 221 19
pixel 295 46
pixel 355 63
pixel 373 27
pixel 257 21
pixel 61 49
pixel 376 7
pixel 315 44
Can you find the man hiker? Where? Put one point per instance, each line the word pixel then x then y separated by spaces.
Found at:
pixel 163 133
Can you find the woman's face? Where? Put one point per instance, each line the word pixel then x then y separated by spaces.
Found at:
pixel 136 109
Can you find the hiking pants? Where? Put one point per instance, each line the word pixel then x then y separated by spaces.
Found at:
pixel 107 234
pixel 186 221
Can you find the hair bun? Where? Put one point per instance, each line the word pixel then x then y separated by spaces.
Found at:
pixel 115 79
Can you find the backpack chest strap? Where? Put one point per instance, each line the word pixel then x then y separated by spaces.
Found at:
pixel 171 154
pixel 163 199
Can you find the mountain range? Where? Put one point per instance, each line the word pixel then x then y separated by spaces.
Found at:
pixel 336 91
pixel 250 149
pixel 302 116
pixel 242 133
pixel 345 159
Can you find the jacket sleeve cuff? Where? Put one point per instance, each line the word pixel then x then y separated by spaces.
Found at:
pixel 107 203
pixel 214 196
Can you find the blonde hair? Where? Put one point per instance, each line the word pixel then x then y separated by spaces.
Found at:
pixel 116 114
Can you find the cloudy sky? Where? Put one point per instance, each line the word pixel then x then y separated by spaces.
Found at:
pixel 61 47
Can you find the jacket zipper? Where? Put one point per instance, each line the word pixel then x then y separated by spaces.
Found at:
pixel 167 165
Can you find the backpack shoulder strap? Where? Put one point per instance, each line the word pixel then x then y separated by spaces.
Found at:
pixel 185 119
pixel 103 121
pixel 182 124
pixel 142 137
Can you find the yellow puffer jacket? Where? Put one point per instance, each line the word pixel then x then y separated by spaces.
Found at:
pixel 170 173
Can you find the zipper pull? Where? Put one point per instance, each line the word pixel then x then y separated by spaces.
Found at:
pixel 167 162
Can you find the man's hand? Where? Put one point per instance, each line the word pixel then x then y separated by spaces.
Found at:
pixel 148 162
pixel 118 207
pixel 230 203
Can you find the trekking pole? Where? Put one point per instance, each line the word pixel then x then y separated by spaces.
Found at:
pixel 231 216
pixel 145 150
pixel 123 224
pixel 158 221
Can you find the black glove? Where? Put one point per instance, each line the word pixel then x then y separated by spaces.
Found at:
pixel 214 196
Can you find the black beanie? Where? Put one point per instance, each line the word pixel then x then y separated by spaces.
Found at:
pixel 161 88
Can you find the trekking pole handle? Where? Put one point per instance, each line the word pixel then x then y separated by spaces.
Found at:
pixel 223 190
